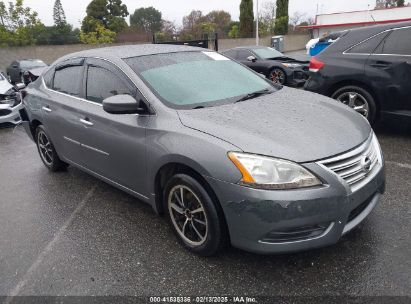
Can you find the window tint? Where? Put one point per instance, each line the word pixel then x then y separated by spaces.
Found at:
pixel 68 80
pixel 368 46
pixel 102 83
pixel 48 78
pixel 243 55
pixel 398 42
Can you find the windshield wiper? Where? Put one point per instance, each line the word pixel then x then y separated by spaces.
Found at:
pixel 255 94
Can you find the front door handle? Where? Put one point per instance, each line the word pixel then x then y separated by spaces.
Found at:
pixel 46 109
pixel 86 122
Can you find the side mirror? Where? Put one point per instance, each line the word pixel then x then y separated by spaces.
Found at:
pixel 123 104
pixel 251 58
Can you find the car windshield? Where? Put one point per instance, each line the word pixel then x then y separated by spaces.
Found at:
pixel 267 53
pixel 32 64
pixel 186 80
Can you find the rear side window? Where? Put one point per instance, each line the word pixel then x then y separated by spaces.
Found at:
pixel 398 42
pixel 68 80
pixel 102 83
pixel 368 46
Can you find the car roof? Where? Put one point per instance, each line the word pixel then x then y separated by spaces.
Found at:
pixel 129 51
pixel 29 60
pixel 358 35
pixel 249 47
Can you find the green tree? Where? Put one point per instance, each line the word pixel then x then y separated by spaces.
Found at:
pixel 58 14
pixel 234 32
pixel 18 24
pixel 108 13
pixel 167 32
pixel 281 21
pixel 99 36
pixel 221 21
pixel 148 19
pixel 246 18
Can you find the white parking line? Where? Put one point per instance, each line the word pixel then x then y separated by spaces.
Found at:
pixel 407 166
pixel 16 290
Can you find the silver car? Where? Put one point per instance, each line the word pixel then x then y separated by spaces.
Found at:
pixel 228 156
pixel 10 103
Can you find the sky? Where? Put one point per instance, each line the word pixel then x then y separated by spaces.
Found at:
pixel 174 10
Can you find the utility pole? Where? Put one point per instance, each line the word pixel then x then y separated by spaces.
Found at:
pixel 257 38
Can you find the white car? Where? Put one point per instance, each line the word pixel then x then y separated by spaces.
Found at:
pixel 10 103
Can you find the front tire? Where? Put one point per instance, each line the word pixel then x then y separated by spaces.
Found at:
pixel 358 99
pixel 194 215
pixel 47 151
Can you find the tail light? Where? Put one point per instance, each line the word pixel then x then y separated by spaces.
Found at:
pixel 316 65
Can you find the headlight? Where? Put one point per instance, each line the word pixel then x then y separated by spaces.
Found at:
pixel 8 98
pixel 291 65
pixel 272 173
pixel 377 147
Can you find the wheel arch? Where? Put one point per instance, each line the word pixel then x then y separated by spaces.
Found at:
pixel 166 171
pixel 33 127
pixel 357 83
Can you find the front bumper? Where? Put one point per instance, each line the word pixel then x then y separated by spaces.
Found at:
pixel 268 222
pixel 10 114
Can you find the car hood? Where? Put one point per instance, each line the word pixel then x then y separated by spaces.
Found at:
pixel 290 124
pixel 4 86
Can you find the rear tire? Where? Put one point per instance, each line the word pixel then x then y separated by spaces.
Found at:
pixel 47 151
pixel 358 99
pixel 194 216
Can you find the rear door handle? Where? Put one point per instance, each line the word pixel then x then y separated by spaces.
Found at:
pixel 86 122
pixel 380 64
pixel 46 109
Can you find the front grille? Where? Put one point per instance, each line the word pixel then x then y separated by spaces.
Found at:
pixel 358 166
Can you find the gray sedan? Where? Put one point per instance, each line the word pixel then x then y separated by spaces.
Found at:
pixel 228 156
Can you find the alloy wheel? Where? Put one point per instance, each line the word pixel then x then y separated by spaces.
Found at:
pixel 277 76
pixel 355 101
pixel 188 215
pixel 45 148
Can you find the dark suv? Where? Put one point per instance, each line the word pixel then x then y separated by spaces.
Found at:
pixel 369 69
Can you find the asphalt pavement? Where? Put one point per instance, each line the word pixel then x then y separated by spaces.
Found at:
pixel 70 234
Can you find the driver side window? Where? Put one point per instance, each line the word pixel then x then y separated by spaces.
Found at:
pixel 102 83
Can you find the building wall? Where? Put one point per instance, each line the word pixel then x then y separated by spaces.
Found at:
pixel 329 21
pixel 52 52
pixel 365 16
